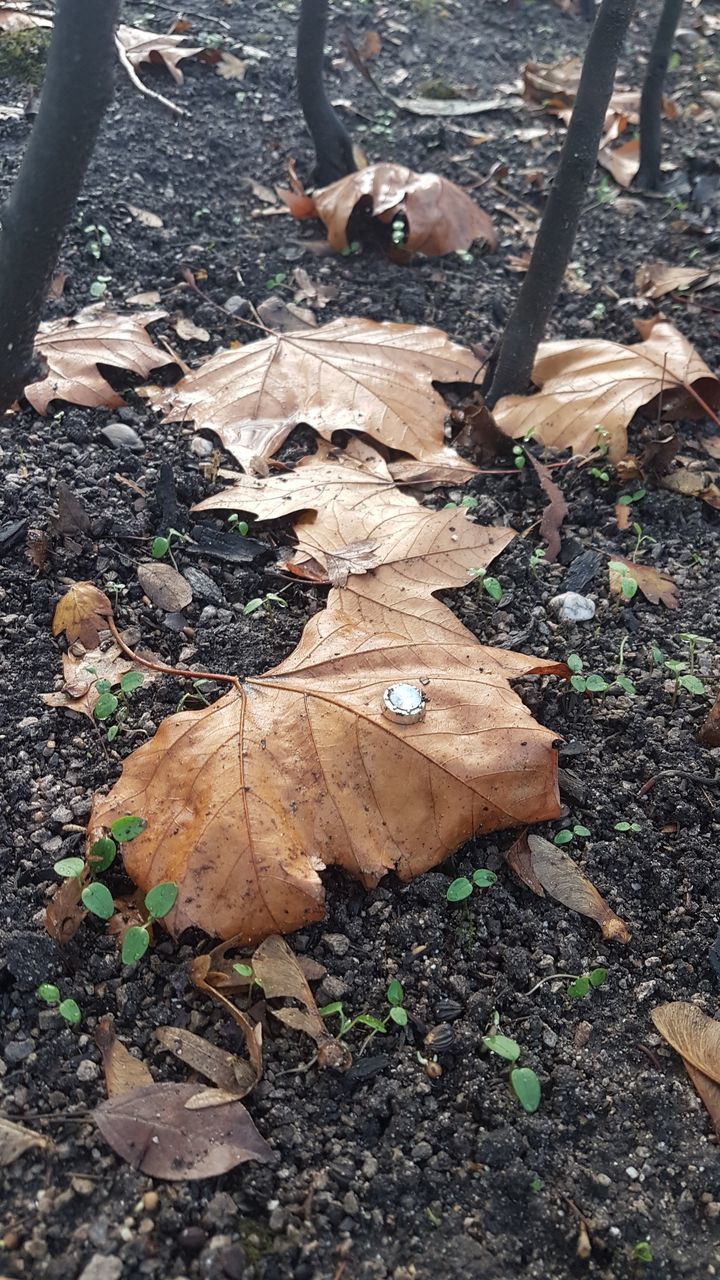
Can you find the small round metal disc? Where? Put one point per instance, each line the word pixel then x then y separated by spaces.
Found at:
pixel 404 703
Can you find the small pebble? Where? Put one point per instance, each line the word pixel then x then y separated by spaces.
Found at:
pixel 120 436
pixel 87 1070
pixel 337 943
pixel 18 1050
pixel 237 306
pixel 632 1172
pixel 201 447
pixel 570 606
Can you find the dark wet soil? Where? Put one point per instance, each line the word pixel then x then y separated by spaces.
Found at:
pixel 387 1172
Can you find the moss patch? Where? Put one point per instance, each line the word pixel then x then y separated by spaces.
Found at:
pixel 23 55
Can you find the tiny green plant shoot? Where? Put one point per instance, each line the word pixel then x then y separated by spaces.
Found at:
pixel 584 983
pixel 627 828
pixel 468 503
pixel 115 705
pixel 462 887
pixel 641 1251
pixel 569 833
pixel 396 1013
pixel 523 1080
pixel 68 1009
pixel 195 695
pixel 270 601
pixel 162 546
pixel 491 585
pixel 158 902
pixel 237 525
pixel 593 682
pixel 628 584
pixel 684 671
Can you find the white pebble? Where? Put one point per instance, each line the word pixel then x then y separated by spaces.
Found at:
pixel 572 607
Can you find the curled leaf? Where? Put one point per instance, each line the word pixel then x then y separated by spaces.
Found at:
pixel 280 975
pixel 82 613
pixel 123 1071
pixel 15 1140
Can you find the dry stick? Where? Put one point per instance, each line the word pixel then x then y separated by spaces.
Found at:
pixel 164 669
pixel 648 174
pixel 143 88
pixel 76 91
pixel 554 244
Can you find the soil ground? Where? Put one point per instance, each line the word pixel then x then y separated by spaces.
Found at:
pixel 385 1172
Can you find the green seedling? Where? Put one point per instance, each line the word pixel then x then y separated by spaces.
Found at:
pixel 353 247
pixel 194 695
pixel 465 256
pixel 491 585
pixel 398 229
pixel 642 1252
pixel 569 833
pixel 99 238
pixel 597 474
pixel 246 971
pixel 115 705
pixel 599 311
pixel 469 503
pixel 605 192
pixel 68 1009
pixel 537 556
pixel 593 682
pixel 158 902
pixel 162 546
pixel 536 1183
pixel 657 657
pixel 640 537
pixel 267 603
pixel 518 455
pixel 627 499
pixel 101 854
pixel 396 1013
pixel 685 677
pixel 461 888
pixel 628 584
pixel 99 285
pixel 585 983
pixel 274 282
pixel 627 827
pixel 523 1080
pixel 237 525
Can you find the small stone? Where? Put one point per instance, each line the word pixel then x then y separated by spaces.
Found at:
pixel 192 1239
pixel 201 447
pixel 337 943
pixel 570 606
pixel 369 1167
pixel 549 1037
pixel 583 1031
pixel 61 815
pixel 87 1070
pixel 645 989
pixel 331 989
pixel 203 587
pixel 102 1268
pixel 350 1203
pixel 150 1201
pixel 712 1210
pixel 120 436
pixel 237 306
pixel 18 1050
pixel 421 1151
pixel 632 1172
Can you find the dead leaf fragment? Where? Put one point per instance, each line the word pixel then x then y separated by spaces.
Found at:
pixel 708 1091
pixel 73 348
pixel 441 217
pixel 709 734
pixel 15 1139
pixel 231 67
pixel 590 384
pixel 350 375
pixel 281 977
pixel 83 668
pixel 563 880
pixel 147 219
pixel 655 585
pixel 186 329
pixel 622 162
pixel 692 1034
pixel 554 513
pixel 211 972
pixel 65 912
pixel 82 613
pixel 156 1131
pixel 149 46
pixel 123 1071
pixel 655 279
pixel 164 586
pixel 233 1075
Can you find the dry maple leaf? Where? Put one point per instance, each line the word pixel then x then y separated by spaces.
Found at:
pixel 440 216
pixel 692 1034
pixel 556 872
pixel 82 670
pixel 82 613
pixel 655 585
pixel 350 375
pixel 149 46
pixel 655 279
pixel 587 385
pixel 248 799
pixel 73 348
pixel 622 162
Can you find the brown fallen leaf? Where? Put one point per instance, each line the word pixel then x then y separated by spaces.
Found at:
pixel 210 973
pixel 15 1139
pixel 563 880
pixel 519 859
pixel 123 1071
pixel 230 67
pixel 156 47
pixel 83 668
pixel 281 978
pixel 702 484
pixel 553 514
pixel 554 86
pixel 450 470
pixel 350 375
pixel 21 17
pixel 655 279
pixel 440 217
pixel 708 1091
pixel 82 613
pixel 709 734
pixel 73 348
pixel 233 1075
pixel 305 767
pixel 164 586
pixel 285 317
pixel 692 1034
pixel 189 331
pixel 156 1131
pixel 65 912
pixel 423 106
pixel 622 162
pixel 594 384
pixel 655 585
pixel 147 219
pixel 368 46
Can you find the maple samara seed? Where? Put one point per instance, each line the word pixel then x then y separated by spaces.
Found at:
pixel 404 703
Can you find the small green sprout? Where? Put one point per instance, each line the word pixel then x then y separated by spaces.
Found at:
pixel 396 1013
pixel 519 459
pixel 237 525
pixel 598 474
pixel 461 888
pixel 537 555
pixel 274 282
pixel 194 694
pixel 99 238
pixel 628 584
pixel 158 902
pixel 266 603
pixel 111 704
pixel 627 499
pixel 627 827
pixel 102 852
pixel 491 585
pixel 594 682
pixel 398 229
pixel 523 1080
pixel 569 833
pixel 536 1183
pixel 468 502
pixel 162 546
pixel 585 983
pixel 68 1009
pixel 642 1252
pixel 605 192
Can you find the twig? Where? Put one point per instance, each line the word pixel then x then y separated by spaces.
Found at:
pixel 162 667
pixel 143 88
pixel 702 779
pixel 551 978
